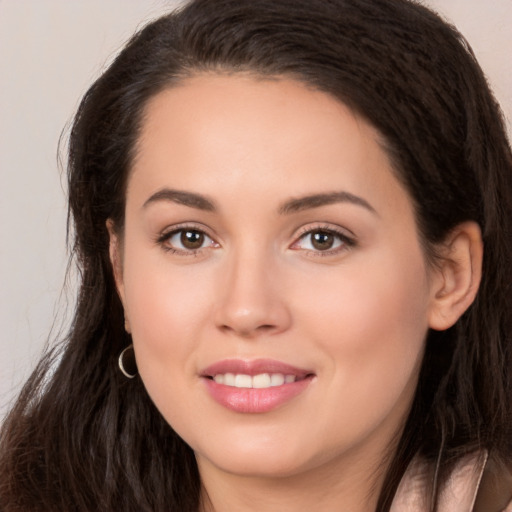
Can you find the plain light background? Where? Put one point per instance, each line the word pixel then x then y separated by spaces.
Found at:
pixel 50 51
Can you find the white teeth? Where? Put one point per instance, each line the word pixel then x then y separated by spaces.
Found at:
pixel 229 379
pixel 277 379
pixel 260 381
pixel 243 381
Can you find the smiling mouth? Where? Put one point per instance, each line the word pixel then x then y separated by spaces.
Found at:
pixel 256 386
pixel 259 381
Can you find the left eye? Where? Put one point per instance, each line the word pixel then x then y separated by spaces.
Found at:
pixel 189 240
pixel 320 240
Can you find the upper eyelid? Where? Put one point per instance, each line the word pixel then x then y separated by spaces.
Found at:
pixel 346 236
pixel 300 233
pixel 163 240
pixel 169 230
pixel 337 230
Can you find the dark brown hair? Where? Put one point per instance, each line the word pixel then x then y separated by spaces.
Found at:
pixel 81 436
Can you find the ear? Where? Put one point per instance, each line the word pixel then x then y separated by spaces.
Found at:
pixel 116 260
pixel 457 277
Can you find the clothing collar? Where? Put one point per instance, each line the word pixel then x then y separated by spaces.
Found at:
pixel 457 494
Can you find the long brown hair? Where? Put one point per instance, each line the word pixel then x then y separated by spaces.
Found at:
pixel 82 437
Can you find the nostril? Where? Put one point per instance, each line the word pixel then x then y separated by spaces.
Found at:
pixel 248 332
pixel 266 327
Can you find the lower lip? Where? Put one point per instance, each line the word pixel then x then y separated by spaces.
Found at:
pixel 255 400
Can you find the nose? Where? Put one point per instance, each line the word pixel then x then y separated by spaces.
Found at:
pixel 252 302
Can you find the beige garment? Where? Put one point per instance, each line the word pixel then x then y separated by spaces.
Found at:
pixel 473 486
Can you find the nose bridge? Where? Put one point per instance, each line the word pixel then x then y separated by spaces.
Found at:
pixel 252 301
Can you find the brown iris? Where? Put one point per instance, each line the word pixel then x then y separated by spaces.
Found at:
pixel 191 239
pixel 322 240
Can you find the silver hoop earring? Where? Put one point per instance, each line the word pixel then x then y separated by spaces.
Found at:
pixel 127 363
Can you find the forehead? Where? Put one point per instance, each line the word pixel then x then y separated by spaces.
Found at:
pixel 236 133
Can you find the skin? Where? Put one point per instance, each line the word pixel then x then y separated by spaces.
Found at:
pixel 355 315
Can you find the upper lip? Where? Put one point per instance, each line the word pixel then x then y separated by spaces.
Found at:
pixel 253 367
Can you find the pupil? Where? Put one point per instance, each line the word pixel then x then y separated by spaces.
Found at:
pixel 322 241
pixel 192 239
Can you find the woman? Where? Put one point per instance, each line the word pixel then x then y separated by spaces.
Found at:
pixel 280 215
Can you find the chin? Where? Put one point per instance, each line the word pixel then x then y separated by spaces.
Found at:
pixel 273 459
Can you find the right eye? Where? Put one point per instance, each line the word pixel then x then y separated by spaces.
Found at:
pixel 187 241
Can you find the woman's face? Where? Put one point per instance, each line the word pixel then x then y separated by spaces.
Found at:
pixel 272 277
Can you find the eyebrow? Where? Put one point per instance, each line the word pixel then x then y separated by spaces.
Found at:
pixel 294 205
pixel 180 197
pixel 317 200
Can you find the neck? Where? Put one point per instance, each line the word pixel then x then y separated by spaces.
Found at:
pixel 356 487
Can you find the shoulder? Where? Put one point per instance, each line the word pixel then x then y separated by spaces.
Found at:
pixel 477 483
pixel 495 490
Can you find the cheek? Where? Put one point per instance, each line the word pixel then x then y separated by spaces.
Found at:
pixel 372 322
pixel 367 298
pixel 161 298
pixel 166 309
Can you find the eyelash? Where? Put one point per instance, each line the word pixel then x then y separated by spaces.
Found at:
pixel 164 238
pixel 346 242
